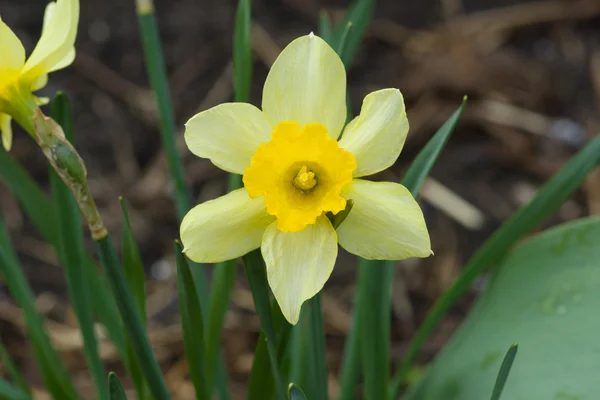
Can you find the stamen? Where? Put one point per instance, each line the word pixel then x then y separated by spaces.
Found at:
pixel 305 180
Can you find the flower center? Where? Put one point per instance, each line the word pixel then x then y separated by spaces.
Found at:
pixel 305 180
pixel 300 173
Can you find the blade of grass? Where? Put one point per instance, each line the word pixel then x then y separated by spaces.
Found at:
pixel 548 199
pixel 257 279
pixel 317 347
pixel 133 269
pixel 342 39
pixel 507 363
pixel 360 15
pixel 42 214
pixel 191 321
pixel 116 389
pixel 132 319
pixel 295 393
pixel 70 234
pixel 12 369
pixel 374 291
pixel 11 392
pixel 242 52
pixel 54 373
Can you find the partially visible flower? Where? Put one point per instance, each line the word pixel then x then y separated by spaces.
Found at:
pixel 19 78
pixel 295 171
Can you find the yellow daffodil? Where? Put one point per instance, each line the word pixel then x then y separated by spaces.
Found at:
pixel 19 78
pixel 295 171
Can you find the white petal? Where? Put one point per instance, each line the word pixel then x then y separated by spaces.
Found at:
pixel 307 83
pixel 13 53
pixel 298 263
pixel 228 135
pixel 6 131
pixel 377 135
pixel 225 228
pixel 385 223
pixel 55 49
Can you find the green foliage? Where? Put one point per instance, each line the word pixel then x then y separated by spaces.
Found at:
pixel 505 367
pixel 193 326
pixel 295 393
pixel 544 295
pixel 11 392
pixel 116 389
pixel 10 366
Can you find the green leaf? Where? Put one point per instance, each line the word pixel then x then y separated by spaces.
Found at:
pixel 132 319
pixel 42 214
pixel 53 371
pixel 360 15
pixel 257 279
pixel 70 235
pixel 325 29
pixel 505 367
pixel 10 366
pixel 242 52
pixel 116 389
pixel 343 37
pixel 133 268
pixel 11 392
pixel 374 291
pixel 191 321
pixel 544 295
pixel 318 349
pixel 549 198
pixel 295 393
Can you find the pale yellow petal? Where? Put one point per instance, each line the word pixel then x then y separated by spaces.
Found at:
pixel 307 83
pixel 6 131
pixel 228 135
pixel 55 48
pixel 12 51
pixel 377 135
pixel 40 82
pixel 298 263
pixel 385 223
pixel 224 228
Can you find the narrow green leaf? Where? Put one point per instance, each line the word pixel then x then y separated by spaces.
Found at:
pixel 242 52
pixel 351 359
pixel 11 392
pixel 53 371
pixel 191 321
pixel 70 235
pixel 42 214
pixel 116 389
pixel 360 15
pixel 549 198
pixel 325 29
pixel 317 347
pixel 421 166
pixel 504 371
pixel 257 279
pixel 341 45
pixel 295 393
pixel 133 268
pixel 132 319
pixel 10 366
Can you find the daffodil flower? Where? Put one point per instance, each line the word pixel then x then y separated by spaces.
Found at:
pixel 20 77
pixel 295 171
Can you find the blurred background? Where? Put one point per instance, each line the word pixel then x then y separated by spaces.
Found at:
pixel 531 70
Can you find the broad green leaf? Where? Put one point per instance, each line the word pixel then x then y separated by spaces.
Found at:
pixel 192 324
pixel 131 319
pixel 116 389
pixel 549 198
pixel 505 367
pixel 133 268
pixel 295 393
pixel 257 279
pixel 242 52
pixel 10 392
pixel 70 237
pixel 54 373
pixel 544 295
pixel 42 214
pixel 10 366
